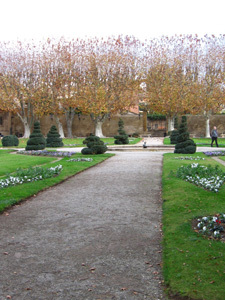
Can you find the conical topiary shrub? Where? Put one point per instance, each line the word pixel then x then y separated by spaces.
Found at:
pixel 122 138
pixel 53 138
pixel 173 136
pixel 94 144
pixel 36 140
pixel 184 144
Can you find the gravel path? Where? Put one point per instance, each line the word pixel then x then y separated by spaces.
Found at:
pixel 95 236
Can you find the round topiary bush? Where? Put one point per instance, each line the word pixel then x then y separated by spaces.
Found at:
pixel 87 151
pixel 95 145
pixel 36 140
pixel 122 138
pixel 53 138
pixel 184 144
pixel 10 140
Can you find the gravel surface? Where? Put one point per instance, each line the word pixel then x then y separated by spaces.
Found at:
pixel 95 236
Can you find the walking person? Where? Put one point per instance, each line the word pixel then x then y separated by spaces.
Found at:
pixel 214 136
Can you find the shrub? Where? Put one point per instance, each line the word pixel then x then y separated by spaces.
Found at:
pixel 95 145
pixel 135 135
pixel 53 138
pixel 36 140
pixel 10 140
pixel 122 138
pixel 173 136
pixel 184 144
pixel 87 151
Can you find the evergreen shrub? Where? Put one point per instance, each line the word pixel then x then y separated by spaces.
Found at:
pixel 184 144
pixel 36 140
pixel 94 145
pixel 122 138
pixel 173 136
pixel 53 138
pixel 10 140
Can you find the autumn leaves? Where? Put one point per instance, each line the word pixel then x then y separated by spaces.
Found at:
pixel 177 75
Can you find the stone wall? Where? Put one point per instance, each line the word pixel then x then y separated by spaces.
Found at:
pixel 83 126
pixel 197 125
pixel 132 123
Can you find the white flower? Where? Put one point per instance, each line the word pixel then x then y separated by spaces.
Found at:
pixel 204 228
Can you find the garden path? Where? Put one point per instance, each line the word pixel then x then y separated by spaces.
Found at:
pixel 95 236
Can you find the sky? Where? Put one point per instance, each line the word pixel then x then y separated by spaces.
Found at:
pixel 144 19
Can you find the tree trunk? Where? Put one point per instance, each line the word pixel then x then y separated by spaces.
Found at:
pixel 170 124
pixel 145 116
pixel 207 131
pixel 25 125
pixel 60 127
pixel 98 129
pixel 69 122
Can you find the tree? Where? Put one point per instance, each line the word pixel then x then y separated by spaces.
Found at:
pixel 111 80
pixel 19 81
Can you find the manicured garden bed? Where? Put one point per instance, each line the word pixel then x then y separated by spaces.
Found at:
pixel 10 162
pixel 194 263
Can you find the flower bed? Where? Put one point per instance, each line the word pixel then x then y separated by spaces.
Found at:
pixel 29 175
pixel 81 159
pixel 211 226
pixel 189 158
pixel 47 153
pixel 214 153
pixel 207 177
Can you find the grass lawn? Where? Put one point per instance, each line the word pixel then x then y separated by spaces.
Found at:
pixel 201 142
pixel 194 266
pixel 12 195
pixel 77 142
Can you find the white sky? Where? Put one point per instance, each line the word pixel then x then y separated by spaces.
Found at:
pixel 37 19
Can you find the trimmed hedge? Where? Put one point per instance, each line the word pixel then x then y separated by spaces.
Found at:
pixel 53 138
pixel 94 144
pixel 122 138
pixel 36 140
pixel 184 144
pixel 10 140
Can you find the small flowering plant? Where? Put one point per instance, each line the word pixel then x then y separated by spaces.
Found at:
pixel 211 226
pixel 189 158
pixel 30 175
pixel 208 177
pixel 47 153
pixel 214 153
pixel 81 159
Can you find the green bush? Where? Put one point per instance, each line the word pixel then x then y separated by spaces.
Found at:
pixel 184 144
pixel 95 145
pixel 135 135
pixel 87 151
pixel 122 138
pixel 10 140
pixel 173 136
pixel 53 138
pixel 36 140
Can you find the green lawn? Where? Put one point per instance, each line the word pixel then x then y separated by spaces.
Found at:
pixel 201 142
pixel 12 195
pixel 77 142
pixel 193 266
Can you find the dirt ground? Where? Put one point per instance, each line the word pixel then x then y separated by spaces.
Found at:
pixel 95 236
